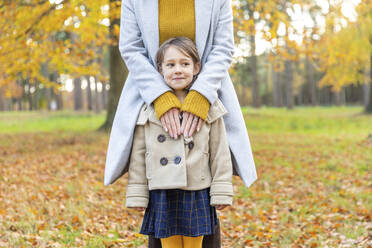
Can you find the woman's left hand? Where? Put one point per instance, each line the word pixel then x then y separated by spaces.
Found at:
pixel 190 123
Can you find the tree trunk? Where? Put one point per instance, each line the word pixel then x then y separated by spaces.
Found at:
pixel 118 73
pixel 288 67
pixel 104 96
pixel 29 96
pixel 311 82
pixel 89 94
pixel 57 96
pixel 48 92
pixel 340 97
pixel 365 90
pixel 368 108
pixel 2 107
pixel 97 98
pixel 19 102
pixel 253 65
pixel 276 88
pixel 266 99
pixel 78 100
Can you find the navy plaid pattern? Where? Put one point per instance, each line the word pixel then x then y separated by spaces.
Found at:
pixel 179 212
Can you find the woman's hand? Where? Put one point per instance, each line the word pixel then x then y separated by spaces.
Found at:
pixel 171 122
pixel 190 122
pixel 221 207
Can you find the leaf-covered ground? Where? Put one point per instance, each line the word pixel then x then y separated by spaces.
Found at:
pixel 314 186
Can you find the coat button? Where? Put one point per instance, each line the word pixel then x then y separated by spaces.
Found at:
pixel 163 161
pixel 191 145
pixel 177 160
pixel 161 138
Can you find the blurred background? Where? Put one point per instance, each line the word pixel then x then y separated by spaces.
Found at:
pixel 302 72
pixel 57 54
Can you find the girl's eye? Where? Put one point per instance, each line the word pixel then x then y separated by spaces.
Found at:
pixel 186 64
pixel 170 64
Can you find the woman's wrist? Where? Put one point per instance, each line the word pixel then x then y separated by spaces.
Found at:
pixel 165 102
pixel 196 104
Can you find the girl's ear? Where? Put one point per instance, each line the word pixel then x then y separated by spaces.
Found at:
pixel 197 67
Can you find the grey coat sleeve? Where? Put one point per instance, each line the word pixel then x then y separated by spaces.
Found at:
pixel 221 190
pixel 137 190
pixel 219 59
pixel 150 82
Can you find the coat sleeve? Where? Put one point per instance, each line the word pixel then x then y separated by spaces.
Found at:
pixel 137 190
pixel 221 190
pixel 149 81
pixel 219 59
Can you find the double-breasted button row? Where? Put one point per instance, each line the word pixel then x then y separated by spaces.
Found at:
pixel 164 160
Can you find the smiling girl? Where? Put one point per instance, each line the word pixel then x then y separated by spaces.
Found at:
pixel 181 182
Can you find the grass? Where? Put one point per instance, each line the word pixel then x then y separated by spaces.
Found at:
pixel 313 187
pixel 33 122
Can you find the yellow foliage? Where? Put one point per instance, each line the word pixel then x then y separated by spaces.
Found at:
pixel 345 55
pixel 67 37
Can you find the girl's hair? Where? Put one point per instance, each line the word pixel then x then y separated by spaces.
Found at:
pixel 184 44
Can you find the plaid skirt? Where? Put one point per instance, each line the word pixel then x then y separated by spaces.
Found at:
pixel 179 212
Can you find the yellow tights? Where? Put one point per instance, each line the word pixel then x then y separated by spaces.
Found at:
pixel 179 241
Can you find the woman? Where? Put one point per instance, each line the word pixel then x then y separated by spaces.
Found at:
pixel 145 24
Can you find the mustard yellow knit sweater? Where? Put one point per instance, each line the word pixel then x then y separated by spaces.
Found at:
pixel 177 18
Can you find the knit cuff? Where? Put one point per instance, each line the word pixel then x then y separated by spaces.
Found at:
pixel 196 104
pixel 165 102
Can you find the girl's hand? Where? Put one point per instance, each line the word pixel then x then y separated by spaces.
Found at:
pixel 221 207
pixel 190 122
pixel 171 122
pixel 140 209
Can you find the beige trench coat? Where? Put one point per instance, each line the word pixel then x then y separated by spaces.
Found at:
pixel 158 161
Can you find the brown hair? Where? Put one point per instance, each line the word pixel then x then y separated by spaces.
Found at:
pixel 184 44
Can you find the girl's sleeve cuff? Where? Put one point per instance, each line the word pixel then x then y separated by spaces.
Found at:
pixel 196 104
pixel 165 102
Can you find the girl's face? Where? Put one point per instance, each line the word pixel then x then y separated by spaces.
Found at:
pixel 178 68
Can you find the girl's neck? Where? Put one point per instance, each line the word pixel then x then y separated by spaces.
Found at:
pixel 180 94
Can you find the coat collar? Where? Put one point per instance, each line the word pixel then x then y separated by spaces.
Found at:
pixel 150 21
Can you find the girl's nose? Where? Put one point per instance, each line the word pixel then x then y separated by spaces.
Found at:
pixel 178 68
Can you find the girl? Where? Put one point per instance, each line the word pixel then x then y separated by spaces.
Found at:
pixel 179 181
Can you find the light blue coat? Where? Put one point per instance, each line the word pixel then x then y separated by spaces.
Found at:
pixel 138 44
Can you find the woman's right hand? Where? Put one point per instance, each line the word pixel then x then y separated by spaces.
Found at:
pixel 171 122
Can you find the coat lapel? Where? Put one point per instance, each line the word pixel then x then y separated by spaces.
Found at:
pixel 150 21
pixel 149 15
pixel 203 11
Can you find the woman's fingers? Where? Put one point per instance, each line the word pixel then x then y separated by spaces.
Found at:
pixel 185 115
pixel 173 124
pixel 176 114
pixel 167 123
pixel 162 119
pixel 194 123
pixel 188 121
pixel 200 124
